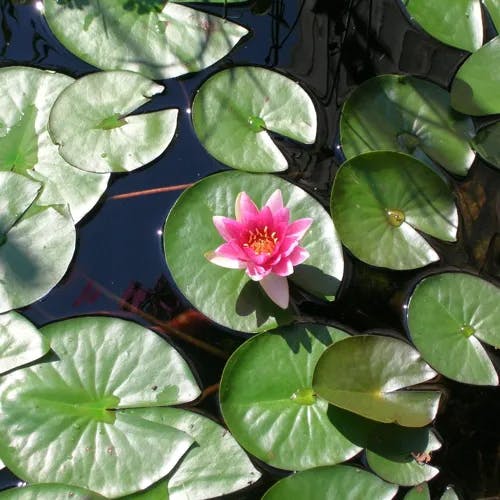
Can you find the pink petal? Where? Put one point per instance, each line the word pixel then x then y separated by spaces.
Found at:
pixel 245 207
pixel 224 261
pixel 299 227
pixel 281 218
pixel 256 273
pixel 283 268
pixel 229 229
pixel 298 256
pixel 275 201
pixel 265 219
pixel 288 245
pixel 231 250
pixel 276 288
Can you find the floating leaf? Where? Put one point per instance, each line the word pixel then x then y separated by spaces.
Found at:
pixel 49 491
pixel 335 483
pixel 36 244
pixel 448 314
pixel 401 455
pixel 235 108
pixel 59 421
pixel 26 97
pixel 409 115
pixel 419 492
pixel 160 43
pixel 228 296
pixel 269 405
pixel 487 143
pixel 458 23
pixel 215 466
pixel 474 90
pixel 91 122
pixel 20 342
pixel 380 200
pixel 493 7
pixel 365 374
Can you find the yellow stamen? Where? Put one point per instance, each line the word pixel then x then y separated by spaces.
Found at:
pixel 260 241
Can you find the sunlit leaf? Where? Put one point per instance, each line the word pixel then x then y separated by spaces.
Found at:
pixel 234 110
pixel 228 296
pixel 160 40
pixel 365 374
pixel 26 97
pixel 49 491
pixel 268 402
pixel 419 492
pixel 380 203
pixel 448 315
pixel 66 421
pixel 409 115
pixel 335 483
pixel 474 90
pixel 20 342
pixel 92 124
pixel 457 23
pixel 215 466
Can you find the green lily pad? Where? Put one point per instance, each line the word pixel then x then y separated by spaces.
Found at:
pixel 365 374
pixel 448 315
pixel 49 491
pixel 458 23
pixel 91 122
pixel 215 466
pixel 36 244
pixel 487 144
pixel 160 43
pixel 381 200
pixel 235 108
pixel 401 455
pixel 474 90
pixel 419 492
pixel 493 7
pixel 269 405
pixel 409 115
pixel 20 342
pixel 59 420
pixel 228 296
pixel 26 97
pixel 335 483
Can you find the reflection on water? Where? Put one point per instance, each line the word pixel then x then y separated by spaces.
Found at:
pixel 330 47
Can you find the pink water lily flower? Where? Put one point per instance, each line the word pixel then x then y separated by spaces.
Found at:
pixel 263 242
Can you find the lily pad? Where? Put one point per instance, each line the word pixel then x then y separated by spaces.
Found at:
pixel 401 455
pixel 215 466
pixel 59 421
pixel 36 244
pixel 487 144
pixel 493 7
pixel 449 494
pixel 419 492
pixel 381 200
pixel 20 342
pixel 335 483
pixel 49 491
pixel 409 115
pixel 474 90
pixel 234 110
pixel 365 374
pixel 448 315
pixel 91 122
pixel 228 296
pixel 269 404
pixel 160 43
pixel 458 23
pixel 26 97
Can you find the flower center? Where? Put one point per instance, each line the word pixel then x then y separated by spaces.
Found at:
pixel 261 241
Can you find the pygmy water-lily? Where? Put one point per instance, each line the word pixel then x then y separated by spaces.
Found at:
pixel 263 242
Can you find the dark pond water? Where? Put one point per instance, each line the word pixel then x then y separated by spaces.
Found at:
pixel 330 47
